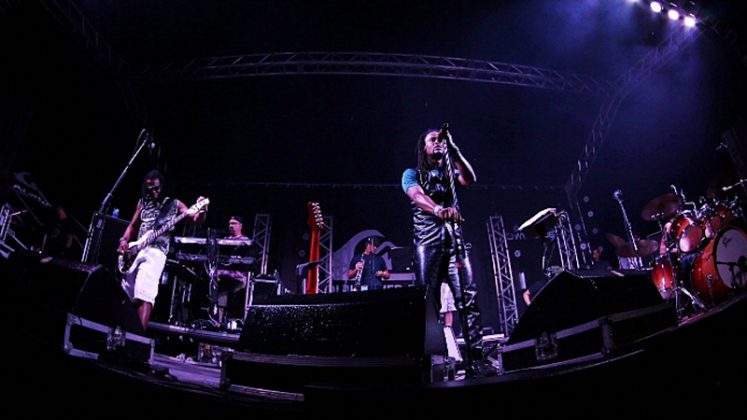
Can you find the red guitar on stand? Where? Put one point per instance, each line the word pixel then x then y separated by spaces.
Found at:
pixel 316 224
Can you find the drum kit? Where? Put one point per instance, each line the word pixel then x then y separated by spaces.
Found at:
pixel 705 242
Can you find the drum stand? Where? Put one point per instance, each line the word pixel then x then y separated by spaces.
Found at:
pixel 678 304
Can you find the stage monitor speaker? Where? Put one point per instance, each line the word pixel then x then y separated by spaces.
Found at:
pixel 102 300
pixel 367 337
pixel 264 289
pixel 375 323
pixel 574 297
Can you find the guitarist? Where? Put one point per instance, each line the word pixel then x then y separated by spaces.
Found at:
pixel 154 208
pixel 435 238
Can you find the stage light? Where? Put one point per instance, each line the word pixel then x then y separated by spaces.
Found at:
pixel 673 14
pixel 690 21
pixel 655 6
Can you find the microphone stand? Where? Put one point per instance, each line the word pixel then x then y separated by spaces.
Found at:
pixel 462 259
pixel 105 203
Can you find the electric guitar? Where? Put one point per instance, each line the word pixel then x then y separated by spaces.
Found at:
pixel 124 261
pixel 316 224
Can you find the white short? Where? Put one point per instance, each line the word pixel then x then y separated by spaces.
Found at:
pixel 447 299
pixel 142 279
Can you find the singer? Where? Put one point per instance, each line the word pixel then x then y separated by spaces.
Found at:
pixel 369 267
pixel 437 237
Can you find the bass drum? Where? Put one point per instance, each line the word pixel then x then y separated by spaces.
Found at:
pixel 721 266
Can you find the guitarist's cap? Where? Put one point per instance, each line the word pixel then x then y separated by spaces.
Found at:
pixel 237 218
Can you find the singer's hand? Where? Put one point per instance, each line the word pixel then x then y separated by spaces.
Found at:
pixel 451 145
pixel 359 266
pixel 449 213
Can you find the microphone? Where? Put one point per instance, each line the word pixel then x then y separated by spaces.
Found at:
pixel 444 132
pixel 618 194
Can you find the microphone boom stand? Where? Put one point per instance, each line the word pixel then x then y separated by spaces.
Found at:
pixel 105 203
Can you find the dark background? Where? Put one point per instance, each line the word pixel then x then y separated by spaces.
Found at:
pixel 270 144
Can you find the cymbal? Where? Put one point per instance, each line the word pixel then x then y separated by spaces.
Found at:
pixel 661 207
pixel 615 240
pixel 645 247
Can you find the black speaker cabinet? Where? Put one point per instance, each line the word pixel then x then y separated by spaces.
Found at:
pixel 102 300
pixel 377 323
pixel 105 239
pixel 574 297
pixel 368 337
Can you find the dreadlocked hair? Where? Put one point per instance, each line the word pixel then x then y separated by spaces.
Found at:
pixel 423 167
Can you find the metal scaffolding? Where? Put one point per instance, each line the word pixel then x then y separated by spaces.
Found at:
pixel 566 240
pixel 325 254
pixel 376 64
pixel 505 291
pixel 667 49
pixel 262 232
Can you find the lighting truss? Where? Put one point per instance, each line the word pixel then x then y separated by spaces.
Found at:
pixel 376 64
pixel 505 291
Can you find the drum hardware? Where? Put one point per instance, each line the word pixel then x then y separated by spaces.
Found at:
pixel 631 249
pixel 679 308
pixel 666 278
pixel 728 188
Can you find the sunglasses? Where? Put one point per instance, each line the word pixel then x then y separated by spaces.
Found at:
pixel 153 187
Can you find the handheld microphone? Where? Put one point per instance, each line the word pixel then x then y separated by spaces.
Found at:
pixel 618 194
pixel 444 132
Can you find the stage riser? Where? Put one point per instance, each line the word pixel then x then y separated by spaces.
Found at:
pixel 294 373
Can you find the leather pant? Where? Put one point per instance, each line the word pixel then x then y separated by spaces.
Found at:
pixel 437 263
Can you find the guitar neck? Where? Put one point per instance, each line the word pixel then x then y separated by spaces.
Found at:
pixel 160 231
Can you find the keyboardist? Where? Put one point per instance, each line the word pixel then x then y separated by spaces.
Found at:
pixel 230 279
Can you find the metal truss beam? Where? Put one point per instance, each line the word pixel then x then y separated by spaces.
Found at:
pixel 730 36
pixel 505 291
pixel 678 40
pixel 566 240
pixel 262 233
pixel 73 20
pixel 376 64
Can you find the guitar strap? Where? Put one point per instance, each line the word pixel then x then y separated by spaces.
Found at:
pixel 164 212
